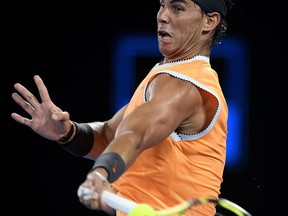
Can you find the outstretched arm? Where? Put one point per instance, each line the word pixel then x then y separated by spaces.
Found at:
pixel 169 105
pixel 49 121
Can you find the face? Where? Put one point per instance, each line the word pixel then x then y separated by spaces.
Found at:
pixel 179 28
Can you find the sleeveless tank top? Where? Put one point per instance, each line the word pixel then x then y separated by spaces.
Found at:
pixel 183 166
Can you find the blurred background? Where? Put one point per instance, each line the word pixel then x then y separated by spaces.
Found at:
pixel 92 54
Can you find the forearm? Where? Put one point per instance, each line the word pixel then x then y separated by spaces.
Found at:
pixel 119 155
pixel 104 133
pixel 102 136
pixel 90 139
pixel 79 140
pixel 87 140
pixel 131 138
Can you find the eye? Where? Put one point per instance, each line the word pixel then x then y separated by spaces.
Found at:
pixel 177 8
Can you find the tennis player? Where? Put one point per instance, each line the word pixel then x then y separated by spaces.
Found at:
pixel 168 144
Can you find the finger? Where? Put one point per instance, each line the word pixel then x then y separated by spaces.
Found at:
pixel 43 92
pixel 30 98
pixel 89 198
pixel 21 119
pixel 91 203
pixel 84 192
pixel 24 104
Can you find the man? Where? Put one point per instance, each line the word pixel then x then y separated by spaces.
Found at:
pixel 169 143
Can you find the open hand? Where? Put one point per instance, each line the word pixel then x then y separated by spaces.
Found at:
pixel 47 119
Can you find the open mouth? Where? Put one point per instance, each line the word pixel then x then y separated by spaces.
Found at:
pixel 164 35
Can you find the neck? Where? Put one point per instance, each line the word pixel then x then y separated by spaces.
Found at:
pixel 166 60
pixel 186 55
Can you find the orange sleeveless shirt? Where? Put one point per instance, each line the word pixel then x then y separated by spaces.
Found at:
pixel 183 166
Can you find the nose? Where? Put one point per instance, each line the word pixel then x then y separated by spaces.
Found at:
pixel 162 15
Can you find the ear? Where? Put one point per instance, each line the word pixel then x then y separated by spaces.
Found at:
pixel 211 21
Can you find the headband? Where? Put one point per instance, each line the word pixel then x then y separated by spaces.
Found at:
pixel 210 6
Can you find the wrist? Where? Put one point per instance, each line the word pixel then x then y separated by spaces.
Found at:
pixel 81 141
pixel 69 136
pixel 106 184
pixel 112 163
pixel 100 171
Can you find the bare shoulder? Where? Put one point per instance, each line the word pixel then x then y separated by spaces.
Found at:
pixel 172 87
pixel 193 105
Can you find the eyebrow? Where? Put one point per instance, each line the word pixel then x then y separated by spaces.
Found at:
pixel 172 1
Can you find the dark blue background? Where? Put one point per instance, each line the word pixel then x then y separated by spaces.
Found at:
pixel 70 45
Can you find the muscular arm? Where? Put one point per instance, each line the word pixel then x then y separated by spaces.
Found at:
pixel 170 102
